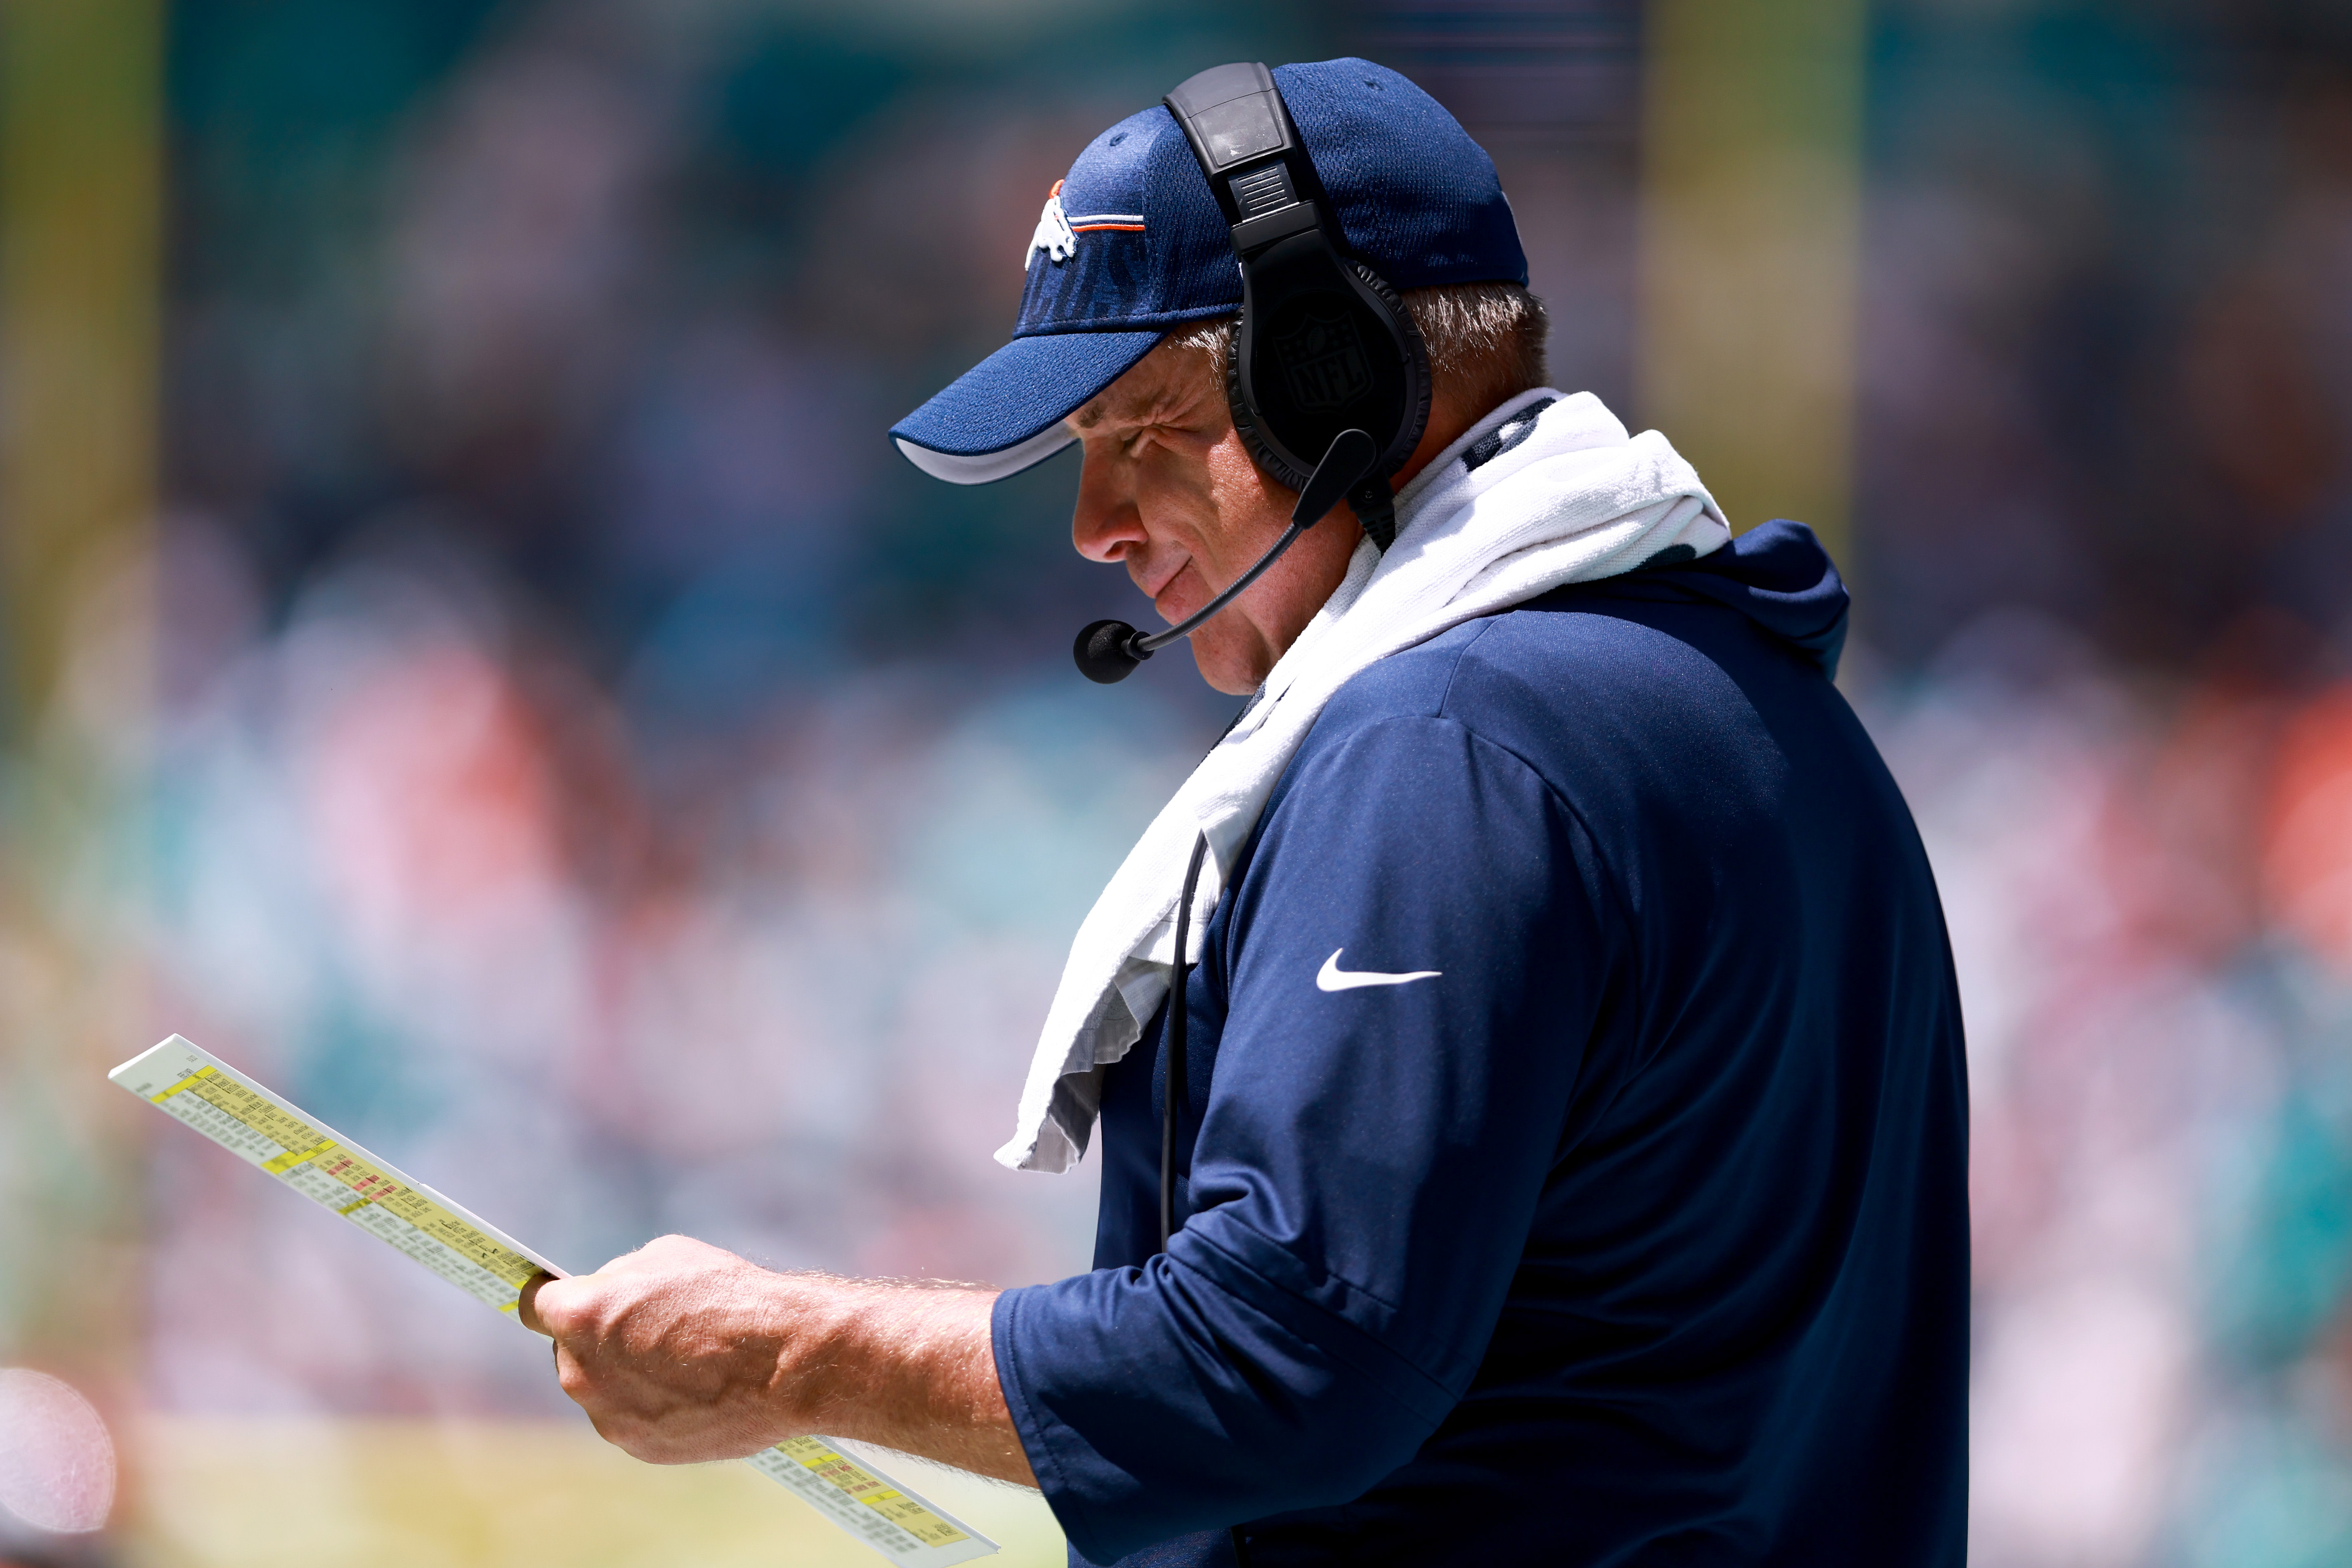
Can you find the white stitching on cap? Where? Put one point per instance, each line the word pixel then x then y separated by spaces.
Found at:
pixel 1053 234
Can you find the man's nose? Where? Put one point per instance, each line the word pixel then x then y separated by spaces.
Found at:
pixel 1107 524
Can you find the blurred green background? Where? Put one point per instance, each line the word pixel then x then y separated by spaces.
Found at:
pixel 468 654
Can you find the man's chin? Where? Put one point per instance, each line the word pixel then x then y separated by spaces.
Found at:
pixel 1225 668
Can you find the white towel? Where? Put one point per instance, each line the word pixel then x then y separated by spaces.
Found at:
pixel 1568 498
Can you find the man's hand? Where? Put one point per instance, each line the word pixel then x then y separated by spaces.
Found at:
pixel 682 1352
pixel 676 1351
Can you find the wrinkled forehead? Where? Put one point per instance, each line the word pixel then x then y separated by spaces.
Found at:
pixel 1170 380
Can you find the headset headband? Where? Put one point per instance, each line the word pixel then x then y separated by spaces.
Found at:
pixel 1324 344
pixel 1241 133
pixel 1329 380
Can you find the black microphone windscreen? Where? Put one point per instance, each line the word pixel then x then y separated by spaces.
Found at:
pixel 1104 654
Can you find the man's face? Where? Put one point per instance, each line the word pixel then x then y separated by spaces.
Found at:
pixel 1169 488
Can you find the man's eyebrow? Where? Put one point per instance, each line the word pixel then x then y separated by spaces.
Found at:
pixel 1130 411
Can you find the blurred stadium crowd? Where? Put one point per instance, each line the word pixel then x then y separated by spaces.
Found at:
pixel 594 771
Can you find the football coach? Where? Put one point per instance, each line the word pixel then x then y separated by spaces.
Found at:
pixel 1524 1053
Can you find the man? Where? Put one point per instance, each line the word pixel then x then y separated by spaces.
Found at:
pixel 1569 1160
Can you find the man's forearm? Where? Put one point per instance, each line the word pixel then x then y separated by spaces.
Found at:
pixel 681 1352
pixel 909 1367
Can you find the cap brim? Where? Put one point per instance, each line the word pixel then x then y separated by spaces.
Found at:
pixel 1006 413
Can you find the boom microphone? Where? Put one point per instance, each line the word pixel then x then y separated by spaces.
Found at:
pixel 1109 651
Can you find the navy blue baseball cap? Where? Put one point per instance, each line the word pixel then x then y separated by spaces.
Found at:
pixel 1131 246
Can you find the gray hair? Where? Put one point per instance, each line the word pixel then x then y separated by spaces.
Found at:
pixel 1485 341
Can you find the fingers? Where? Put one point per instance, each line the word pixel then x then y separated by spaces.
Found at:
pixel 561 1313
pixel 570 1375
pixel 668 1349
pixel 562 1310
pixel 526 1305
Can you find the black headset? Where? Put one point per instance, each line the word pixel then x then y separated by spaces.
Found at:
pixel 1329 379
pixel 1328 383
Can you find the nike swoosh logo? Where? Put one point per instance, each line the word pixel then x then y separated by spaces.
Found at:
pixel 1331 977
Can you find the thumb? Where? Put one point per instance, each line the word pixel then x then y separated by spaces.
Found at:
pixel 527 1304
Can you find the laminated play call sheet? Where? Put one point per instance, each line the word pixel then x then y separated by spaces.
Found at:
pixel 267 1131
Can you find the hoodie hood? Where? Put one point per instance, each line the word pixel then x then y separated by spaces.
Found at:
pixel 1778 576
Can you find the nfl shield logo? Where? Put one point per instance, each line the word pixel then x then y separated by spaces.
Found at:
pixel 1323 358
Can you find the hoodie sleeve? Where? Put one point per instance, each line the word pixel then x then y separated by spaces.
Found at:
pixel 1412 966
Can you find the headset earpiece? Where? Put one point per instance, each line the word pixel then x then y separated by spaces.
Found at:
pixel 1324 344
pixel 1327 377
pixel 1370 506
pixel 1416 353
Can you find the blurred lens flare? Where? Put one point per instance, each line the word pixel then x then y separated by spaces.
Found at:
pixel 57 1462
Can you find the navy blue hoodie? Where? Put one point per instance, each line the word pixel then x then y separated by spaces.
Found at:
pixel 1635 1230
